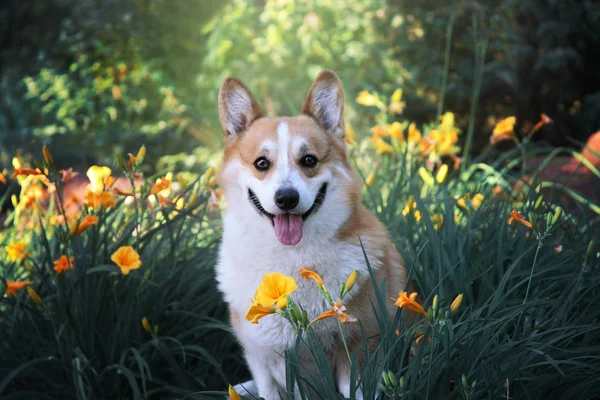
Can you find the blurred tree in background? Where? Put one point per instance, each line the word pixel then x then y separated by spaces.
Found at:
pixel 91 78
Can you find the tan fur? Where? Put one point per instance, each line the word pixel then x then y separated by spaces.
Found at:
pixel 323 130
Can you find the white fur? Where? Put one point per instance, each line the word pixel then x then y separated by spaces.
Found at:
pixel 250 249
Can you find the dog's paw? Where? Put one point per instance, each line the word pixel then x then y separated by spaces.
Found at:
pixel 247 389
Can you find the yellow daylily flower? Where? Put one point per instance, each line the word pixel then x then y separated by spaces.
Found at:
pixel 367 99
pixel 383 147
pixel 467 202
pixel 447 123
pixel 414 135
pixel 259 311
pixel 126 258
pixel 504 129
pixel 395 130
pixel 274 289
pixel 17 251
pixel 98 176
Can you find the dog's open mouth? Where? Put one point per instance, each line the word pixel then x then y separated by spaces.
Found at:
pixel 288 227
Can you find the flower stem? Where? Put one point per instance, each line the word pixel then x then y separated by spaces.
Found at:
pixel 344 340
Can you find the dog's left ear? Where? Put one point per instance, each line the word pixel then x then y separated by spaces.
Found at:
pixel 325 102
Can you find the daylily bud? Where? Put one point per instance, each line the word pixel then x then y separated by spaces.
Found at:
pixel 532 221
pixel 34 296
pixel 139 158
pixel 393 379
pixel 590 250
pixel 447 314
pixel 435 303
pixel 233 395
pixel 74 228
pixel 47 156
pixel 401 384
pixel 383 388
pixel 440 177
pixel 146 325
pixel 538 203
pixel 456 303
pixel 465 383
pixel 548 221
pixel 182 181
pixel 192 202
pixel 370 179
pixel 386 378
pixel 121 162
pixel 349 283
pixel 556 216
pixel 430 315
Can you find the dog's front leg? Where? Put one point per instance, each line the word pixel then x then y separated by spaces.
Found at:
pixel 342 376
pixel 258 362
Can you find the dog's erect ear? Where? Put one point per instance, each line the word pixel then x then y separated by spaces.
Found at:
pixel 237 107
pixel 325 102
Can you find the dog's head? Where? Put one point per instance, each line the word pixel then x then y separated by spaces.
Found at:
pixel 293 172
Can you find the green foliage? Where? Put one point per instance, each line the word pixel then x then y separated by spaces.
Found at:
pixel 84 337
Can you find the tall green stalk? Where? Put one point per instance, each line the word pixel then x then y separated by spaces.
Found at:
pixel 449 30
pixel 481 43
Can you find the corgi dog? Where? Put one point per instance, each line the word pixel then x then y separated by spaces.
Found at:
pixel 293 201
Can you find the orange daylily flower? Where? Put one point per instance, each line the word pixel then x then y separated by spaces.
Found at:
pixel 64 263
pixel 67 174
pixel 516 216
pixel 3 177
pixel 419 338
pixel 337 310
pixel 558 249
pixel 308 274
pixel 126 258
pixel 544 120
pixel 161 184
pixel 85 223
pixel 119 192
pixel 99 199
pixel 25 171
pixel 13 286
pixel 414 135
pixel 410 302
pixel 17 251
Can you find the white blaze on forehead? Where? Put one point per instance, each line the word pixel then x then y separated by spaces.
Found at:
pixel 283 138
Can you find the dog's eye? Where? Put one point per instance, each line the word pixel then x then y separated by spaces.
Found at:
pixel 309 161
pixel 262 164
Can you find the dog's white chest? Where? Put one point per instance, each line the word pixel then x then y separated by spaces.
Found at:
pixel 245 259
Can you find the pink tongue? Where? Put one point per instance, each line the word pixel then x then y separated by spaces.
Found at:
pixel 288 228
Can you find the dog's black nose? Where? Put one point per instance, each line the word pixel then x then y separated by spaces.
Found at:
pixel 287 198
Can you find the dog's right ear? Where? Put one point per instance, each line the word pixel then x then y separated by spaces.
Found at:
pixel 237 107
